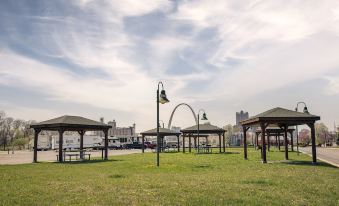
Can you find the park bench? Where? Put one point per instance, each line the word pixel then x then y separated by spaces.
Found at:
pixel 84 155
pixel 69 155
pixel 205 149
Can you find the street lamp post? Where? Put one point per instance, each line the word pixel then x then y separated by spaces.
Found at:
pixel 161 98
pixel 202 118
pixel 296 127
pixel 163 124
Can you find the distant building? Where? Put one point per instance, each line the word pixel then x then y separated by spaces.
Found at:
pixel 240 116
pixel 237 137
pixel 125 134
pixel 176 129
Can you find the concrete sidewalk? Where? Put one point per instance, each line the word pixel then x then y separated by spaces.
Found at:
pixel 329 155
pixel 26 156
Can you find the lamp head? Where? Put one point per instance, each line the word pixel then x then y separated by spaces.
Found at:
pixel 163 98
pixel 204 116
pixel 306 110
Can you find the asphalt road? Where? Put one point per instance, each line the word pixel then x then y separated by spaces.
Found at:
pixel 329 155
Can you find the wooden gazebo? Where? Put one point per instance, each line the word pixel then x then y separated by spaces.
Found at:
pixel 204 131
pixel 282 118
pixel 163 132
pixel 69 123
pixel 274 132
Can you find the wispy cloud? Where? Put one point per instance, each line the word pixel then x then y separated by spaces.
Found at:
pixel 111 54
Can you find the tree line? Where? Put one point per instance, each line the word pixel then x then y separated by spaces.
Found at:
pixel 14 133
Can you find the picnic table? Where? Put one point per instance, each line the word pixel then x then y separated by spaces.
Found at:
pixel 71 153
pixel 206 149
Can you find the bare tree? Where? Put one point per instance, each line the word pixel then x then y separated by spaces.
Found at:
pixel 229 133
pixel 3 133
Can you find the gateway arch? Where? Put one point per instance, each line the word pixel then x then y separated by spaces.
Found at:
pixel 182 104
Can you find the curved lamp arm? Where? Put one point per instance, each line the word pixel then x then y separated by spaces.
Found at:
pixel 203 115
pixel 305 107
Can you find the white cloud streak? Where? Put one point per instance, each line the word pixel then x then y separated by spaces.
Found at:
pixel 273 43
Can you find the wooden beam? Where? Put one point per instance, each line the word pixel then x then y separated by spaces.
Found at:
pixel 292 144
pixel 245 142
pixel 183 143
pixel 223 142
pixel 268 142
pixel 81 133
pixel 35 154
pixel 189 144
pixel 285 142
pixel 106 144
pixel 61 139
pixel 219 143
pixel 314 146
pixel 143 143
pixel 178 136
pixel 263 127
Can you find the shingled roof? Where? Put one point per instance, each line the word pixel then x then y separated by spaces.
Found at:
pixel 203 128
pixel 279 114
pixel 70 122
pixel 162 132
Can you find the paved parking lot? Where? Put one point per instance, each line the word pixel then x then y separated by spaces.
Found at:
pixel 26 156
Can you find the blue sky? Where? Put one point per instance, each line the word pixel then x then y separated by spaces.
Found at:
pixel 104 58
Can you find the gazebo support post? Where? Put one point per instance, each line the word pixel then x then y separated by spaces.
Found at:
pixel 195 142
pixel 178 143
pixel 279 141
pixel 163 143
pixel 292 144
pixel 183 143
pixel 61 137
pixel 285 142
pixel 223 142
pixel 263 128
pixel 81 133
pixel 268 141
pixel 106 144
pixel 219 143
pixel 35 155
pixel 189 143
pixel 314 150
pixel 143 143
pixel 256 140
pixel 276 141
pixel 245 141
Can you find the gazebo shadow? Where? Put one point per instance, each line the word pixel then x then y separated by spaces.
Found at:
pixel 307 163
pixel 217 153
pixel 94 161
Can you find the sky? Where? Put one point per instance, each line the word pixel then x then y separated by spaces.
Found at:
pixel 105 59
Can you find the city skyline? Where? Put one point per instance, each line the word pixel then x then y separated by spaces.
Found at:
pixel 104 59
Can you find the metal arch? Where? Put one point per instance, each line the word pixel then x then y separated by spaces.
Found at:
pixel 170 120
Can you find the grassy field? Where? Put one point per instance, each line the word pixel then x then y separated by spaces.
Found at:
pixel 182 179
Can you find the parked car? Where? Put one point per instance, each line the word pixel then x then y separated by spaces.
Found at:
pixel 134 145
pixel 150 145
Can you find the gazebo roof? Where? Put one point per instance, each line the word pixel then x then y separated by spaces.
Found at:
pixel 162 132
pixel 203 129
pixel 281 116
pixel 70 123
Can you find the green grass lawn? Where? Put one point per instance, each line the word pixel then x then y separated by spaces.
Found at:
pixel 182 179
